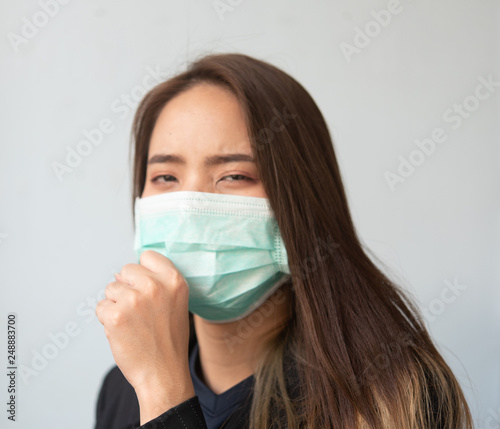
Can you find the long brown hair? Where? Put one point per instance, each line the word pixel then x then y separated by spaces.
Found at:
pixel 359 346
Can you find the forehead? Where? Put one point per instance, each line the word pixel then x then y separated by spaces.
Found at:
pixel 204 119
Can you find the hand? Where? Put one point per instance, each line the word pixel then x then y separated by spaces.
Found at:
pixel 146 320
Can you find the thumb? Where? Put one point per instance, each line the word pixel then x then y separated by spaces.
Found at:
pixel 156 262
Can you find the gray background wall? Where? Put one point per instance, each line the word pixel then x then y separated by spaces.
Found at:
pixel 62 237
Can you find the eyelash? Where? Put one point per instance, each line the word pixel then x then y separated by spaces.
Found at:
pixel 156 179
pixel 242 177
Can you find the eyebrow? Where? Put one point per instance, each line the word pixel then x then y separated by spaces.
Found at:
pixel 210 160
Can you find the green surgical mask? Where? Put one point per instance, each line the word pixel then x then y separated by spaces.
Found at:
pixel 228 248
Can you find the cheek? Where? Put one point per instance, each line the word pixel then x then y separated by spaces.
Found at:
pixel 146 192
pixel 148 189
pixel 255 191
pixel 262 193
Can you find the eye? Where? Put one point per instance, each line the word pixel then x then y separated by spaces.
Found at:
pixel 235 177
pixel 164 178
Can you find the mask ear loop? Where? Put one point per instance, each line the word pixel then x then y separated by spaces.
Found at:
pixel 279 254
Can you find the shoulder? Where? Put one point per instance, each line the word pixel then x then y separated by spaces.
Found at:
pixel 117 404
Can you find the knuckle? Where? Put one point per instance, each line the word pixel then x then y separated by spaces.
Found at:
pixel 97 309
pixel 134 298
pixel 126 269
pixel 107 290
pixel 178 285
pixel 146 255
pixel 176 278
pixel 116 319
pixel 151 288
pixel 100 306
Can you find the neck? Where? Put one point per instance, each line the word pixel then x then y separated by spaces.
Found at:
pixel 230 352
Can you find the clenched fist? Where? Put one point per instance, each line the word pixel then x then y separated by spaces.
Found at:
pixel 146 320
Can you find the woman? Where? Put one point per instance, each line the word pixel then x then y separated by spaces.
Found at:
pixel 254 303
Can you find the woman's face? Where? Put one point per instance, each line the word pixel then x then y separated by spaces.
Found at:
pixel 200 143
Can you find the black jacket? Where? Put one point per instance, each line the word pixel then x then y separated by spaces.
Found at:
pixel 118 408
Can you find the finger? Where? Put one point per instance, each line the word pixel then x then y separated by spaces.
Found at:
pixel 102 310
pixel 162 268
pixel 115 291
pixel 156 262
pixel 134 274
